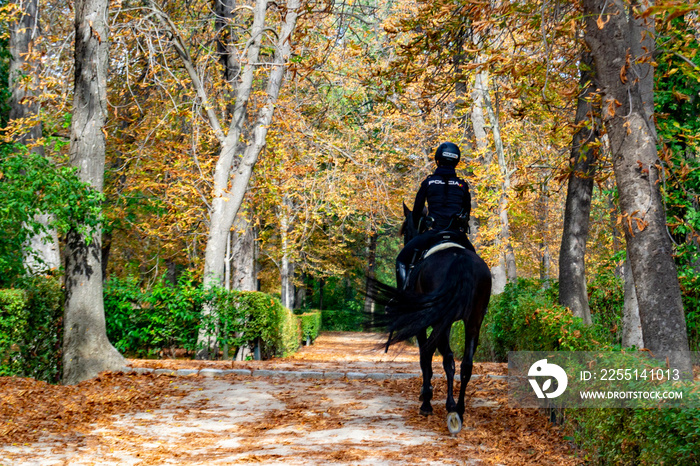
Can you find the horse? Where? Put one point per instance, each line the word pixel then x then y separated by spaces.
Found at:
pixel 451 283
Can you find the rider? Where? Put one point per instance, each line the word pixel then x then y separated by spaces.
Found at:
pixel 449 205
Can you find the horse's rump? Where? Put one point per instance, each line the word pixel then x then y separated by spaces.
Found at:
pixel 441 292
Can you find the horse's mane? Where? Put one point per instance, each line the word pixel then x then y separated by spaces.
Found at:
pixel 403 226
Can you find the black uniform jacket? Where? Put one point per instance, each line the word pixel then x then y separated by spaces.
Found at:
pixel 446 194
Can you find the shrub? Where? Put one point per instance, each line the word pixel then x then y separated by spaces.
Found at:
pixel 166 317
pixel 175 313
pixel 288 332
pixel 606 298
pixel 310 325
pixel 124 318
pixel 690 288
pixel 526 317
pixel 143 323
pixel 457 339
pixel 31 329
pixel 252 317
pixel 344 320
pixel 14 315
pixel 637 436
pixel 42 348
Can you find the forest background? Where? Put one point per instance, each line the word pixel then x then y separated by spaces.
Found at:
pixel 370 88
pixel 155 149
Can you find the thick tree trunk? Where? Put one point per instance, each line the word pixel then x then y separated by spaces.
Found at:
pixel 609 34
pixel 86 350
pixel 572 266
pixel 24 106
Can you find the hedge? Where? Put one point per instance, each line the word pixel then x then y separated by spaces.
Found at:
pixel 148 323
pixel 14 315
pixel 310 325
pixel 344 320
pixel 31 329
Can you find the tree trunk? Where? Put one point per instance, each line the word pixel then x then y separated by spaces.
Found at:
pixel 508 256
pixel 572 265
pixel 244 273
pixel 24 105
pixel 371 270
pixel 23 74
pixel 482 143
pixel 86 350
pixel 506 270
pixel 286 263
pixel 546 257
pixel 230 185
pixel 610 36
pixel 631 324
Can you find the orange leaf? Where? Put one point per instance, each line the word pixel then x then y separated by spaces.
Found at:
pixel 601 24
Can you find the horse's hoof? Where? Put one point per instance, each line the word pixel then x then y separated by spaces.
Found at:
pixel 454 423
pixel 426 413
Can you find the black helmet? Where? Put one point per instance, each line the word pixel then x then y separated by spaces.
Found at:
pixel 447 154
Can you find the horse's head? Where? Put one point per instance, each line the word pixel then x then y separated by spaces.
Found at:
pixel 408 229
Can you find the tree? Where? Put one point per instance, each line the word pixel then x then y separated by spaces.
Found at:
pixel 572 266
pixel 613 35
pixel 26 127
pixel 86 349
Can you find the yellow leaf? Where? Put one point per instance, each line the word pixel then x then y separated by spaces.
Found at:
pixel 601 24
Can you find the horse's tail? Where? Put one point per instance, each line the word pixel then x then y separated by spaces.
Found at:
pixel 408 312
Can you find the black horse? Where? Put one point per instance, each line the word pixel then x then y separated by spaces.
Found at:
pixel 449 284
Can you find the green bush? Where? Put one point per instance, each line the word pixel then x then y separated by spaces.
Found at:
pixel 42 348
pixel 145 323
pixel 606 298
pixel 14 316
pixel 527 317
pixel 249 317
pixel 31 329
pixel 637 436
pixel 345 320
pixel 690 288
pixel 310 325
pixel 288 332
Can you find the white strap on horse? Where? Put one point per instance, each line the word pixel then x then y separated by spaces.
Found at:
pixel 441 247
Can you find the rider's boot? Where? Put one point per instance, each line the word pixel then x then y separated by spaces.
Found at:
pixel 401 275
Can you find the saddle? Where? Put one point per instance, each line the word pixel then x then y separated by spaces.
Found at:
pixel 444 240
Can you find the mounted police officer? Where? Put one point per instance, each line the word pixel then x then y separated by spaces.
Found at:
pixel 449 205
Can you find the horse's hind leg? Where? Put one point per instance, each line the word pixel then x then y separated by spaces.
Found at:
pixel 448 363
pixel 471 338
pixel 426 367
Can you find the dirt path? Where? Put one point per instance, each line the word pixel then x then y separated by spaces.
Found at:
pixel 153 418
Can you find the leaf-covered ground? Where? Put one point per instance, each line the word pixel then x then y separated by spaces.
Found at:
pixel 146 419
